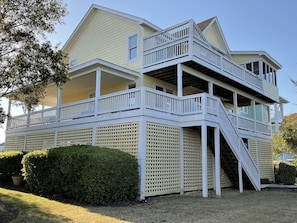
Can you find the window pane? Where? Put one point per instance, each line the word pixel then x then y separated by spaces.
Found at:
pixel 133 41
pixel 133 53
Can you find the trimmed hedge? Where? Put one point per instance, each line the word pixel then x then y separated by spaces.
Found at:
pixel 10 164
pixel 85 173
pixel 286 174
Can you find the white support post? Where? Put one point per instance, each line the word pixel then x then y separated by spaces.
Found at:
pixel 210 88
pixel 181 145
pixel 240 177
pixel 97 91
pixel 253 103
pixel 217 162
pixel 179 80
pixel 142 157
pixel 204 160
pixel 59 103
pixel 235 108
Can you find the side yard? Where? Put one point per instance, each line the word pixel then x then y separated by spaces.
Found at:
pixel 251 206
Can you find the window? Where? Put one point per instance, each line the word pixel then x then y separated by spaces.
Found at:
pixel 132 85
pixel 132 48
pixel 253 67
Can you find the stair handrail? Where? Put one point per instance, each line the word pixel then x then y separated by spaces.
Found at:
pixel 234 140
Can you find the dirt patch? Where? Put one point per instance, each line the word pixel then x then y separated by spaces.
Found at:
pixel 7 212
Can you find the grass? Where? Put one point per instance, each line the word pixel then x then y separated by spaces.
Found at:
pixel 251 206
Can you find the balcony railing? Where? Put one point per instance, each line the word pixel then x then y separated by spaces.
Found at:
pixel 135 99
pixel 185 40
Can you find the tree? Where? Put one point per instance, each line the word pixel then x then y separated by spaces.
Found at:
pixel 28 61
pixel 279 145
pixel 288 131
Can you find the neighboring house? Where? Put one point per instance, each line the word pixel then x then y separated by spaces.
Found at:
pixel 2 147
pixel 194 113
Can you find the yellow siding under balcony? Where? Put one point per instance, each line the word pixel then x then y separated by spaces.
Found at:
pixel 104 36
pixel 152 82
pixel 262 155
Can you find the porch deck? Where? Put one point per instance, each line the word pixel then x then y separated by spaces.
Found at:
pixel 142 100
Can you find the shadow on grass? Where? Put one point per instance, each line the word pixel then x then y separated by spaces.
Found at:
pixel 28 211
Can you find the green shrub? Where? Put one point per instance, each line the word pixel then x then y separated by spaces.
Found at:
pixel 84 173
pixel 286 174
pixel 10 164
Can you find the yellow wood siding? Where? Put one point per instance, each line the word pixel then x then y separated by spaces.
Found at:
pixel 151 82
pixel 244 58
pixel 212 35
pixel 265 160
pixel 105 37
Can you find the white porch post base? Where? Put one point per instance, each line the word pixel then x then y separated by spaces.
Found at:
pixel 204 161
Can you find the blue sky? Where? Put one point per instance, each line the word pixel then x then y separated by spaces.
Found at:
pixel 247 25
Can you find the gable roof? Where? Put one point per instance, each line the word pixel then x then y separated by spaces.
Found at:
pixel 95 8
pixel 202 25
pixel 213 22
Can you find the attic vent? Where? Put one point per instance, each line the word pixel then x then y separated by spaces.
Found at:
pixel 72 62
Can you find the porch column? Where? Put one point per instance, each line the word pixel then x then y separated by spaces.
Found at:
pixel 59 103
pixel 217 162
pixel 210 88
pixel 276 114
pixel 97 91
pixel 142 156
pixel 204 160
pixel 240 177
pixel 179 80
pixel 235 103
pixel 253 103
pixel 181 145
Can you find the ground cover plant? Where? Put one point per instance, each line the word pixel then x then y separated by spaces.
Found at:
pixel 251 206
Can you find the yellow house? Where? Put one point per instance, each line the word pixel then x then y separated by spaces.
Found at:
pixel 194 113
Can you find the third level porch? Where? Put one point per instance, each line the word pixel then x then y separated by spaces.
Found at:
pixel 185 44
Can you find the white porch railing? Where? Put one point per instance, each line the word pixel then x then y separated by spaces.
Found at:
pixel 133 99
pixel 185 40
pixel 235 142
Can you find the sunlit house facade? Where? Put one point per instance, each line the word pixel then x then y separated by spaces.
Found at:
pixel 194 113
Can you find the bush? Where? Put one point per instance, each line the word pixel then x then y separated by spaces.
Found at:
pixel 84 173
pixel 10 164
pixel 286 174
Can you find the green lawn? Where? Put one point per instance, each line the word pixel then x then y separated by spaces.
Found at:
pixel 251 206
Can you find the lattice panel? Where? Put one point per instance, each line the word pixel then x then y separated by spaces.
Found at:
pixel 162 159
pixel 14 143
pixel 120 136
pixel 40 141
pixel 75 137
pixel 192 160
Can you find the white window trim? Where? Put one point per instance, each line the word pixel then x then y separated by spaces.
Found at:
pixel 164 88
pixel 137 48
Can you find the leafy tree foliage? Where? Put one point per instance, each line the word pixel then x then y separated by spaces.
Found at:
pixel 288 130
pixel 28 61
pixel 279 145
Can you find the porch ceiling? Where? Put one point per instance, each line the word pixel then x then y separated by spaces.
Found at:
pixel 169 74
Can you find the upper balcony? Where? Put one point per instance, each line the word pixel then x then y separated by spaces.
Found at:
pixel 185 44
